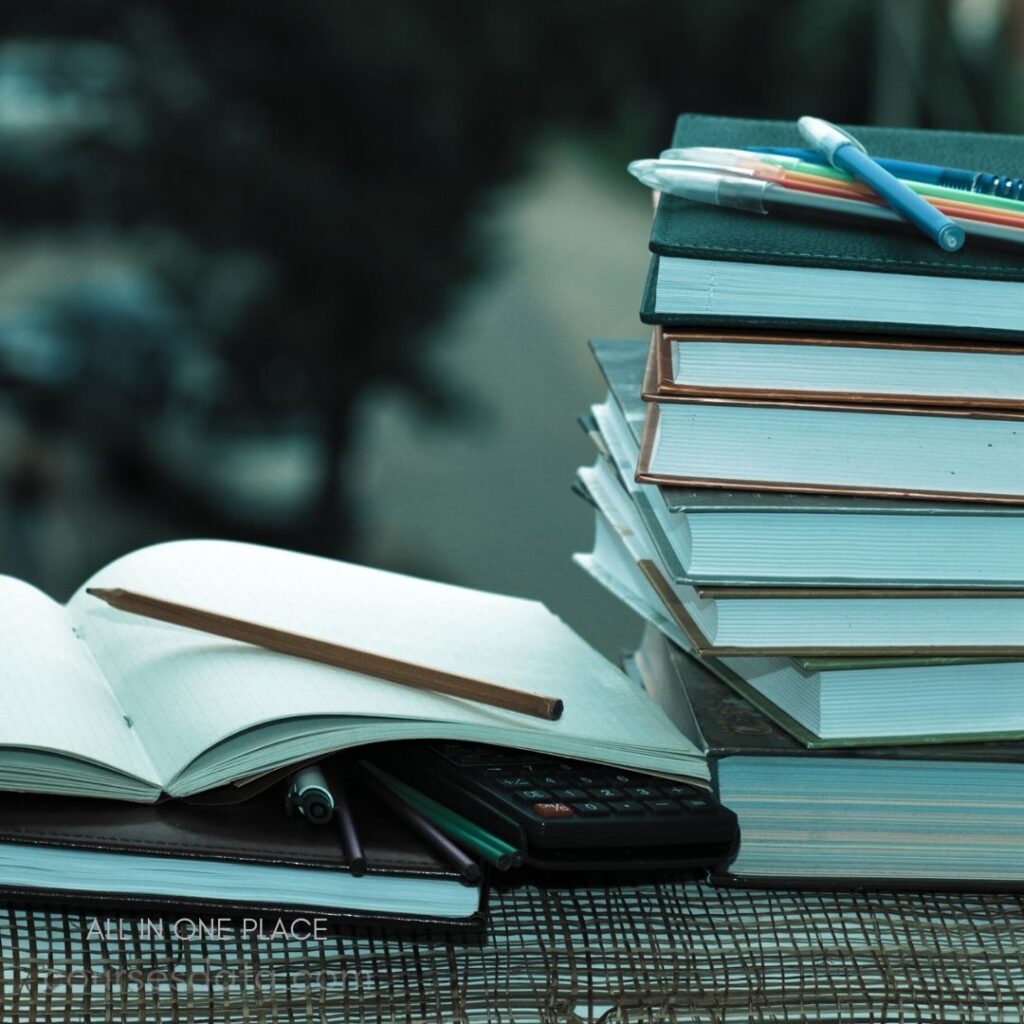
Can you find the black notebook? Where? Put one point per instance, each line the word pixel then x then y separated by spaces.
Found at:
pixel 943 816
pixel 715 265
pixel 241 860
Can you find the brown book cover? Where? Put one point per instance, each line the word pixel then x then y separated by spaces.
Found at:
pixel 644 473
pixel 661 385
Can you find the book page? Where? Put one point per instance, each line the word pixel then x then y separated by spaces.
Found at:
pixel 187 691
pixel 52 695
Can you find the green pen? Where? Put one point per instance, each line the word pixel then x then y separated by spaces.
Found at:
pixel 501 854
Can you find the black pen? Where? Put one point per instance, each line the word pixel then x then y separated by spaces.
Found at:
pixel 430 833
pixel 349 837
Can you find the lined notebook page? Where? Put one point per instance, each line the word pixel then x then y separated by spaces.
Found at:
pixel 52 696
pixel 187 691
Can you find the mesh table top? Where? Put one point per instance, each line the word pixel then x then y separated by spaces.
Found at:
pixel 665 951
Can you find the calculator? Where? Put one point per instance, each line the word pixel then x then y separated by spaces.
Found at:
pixel 567 814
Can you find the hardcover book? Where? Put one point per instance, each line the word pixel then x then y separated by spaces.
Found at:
pixel 764 367
pixel 719 266
pixel 720 536
pixel 874 817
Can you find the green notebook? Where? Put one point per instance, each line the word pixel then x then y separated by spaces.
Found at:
pixel 894 286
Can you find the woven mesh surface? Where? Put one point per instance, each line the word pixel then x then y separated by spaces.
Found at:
pixel 658 952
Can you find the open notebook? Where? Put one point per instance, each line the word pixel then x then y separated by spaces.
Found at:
pixel 97 702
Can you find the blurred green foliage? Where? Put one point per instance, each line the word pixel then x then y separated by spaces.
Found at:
pixel 301 181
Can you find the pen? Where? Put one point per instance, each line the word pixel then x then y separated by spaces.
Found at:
pixel 755 195
pixel 843 151
pixel 350 844
pixel 796 173
pixel 309 795
pixel 492 848
pixel 467 868
pixel 792 171
pixel 981 182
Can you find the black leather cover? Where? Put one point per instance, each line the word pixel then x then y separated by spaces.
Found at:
pixel 257 831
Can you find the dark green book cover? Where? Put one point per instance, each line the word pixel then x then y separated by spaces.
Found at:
pixel 699 231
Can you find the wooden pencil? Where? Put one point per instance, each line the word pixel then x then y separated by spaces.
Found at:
pixel 299 646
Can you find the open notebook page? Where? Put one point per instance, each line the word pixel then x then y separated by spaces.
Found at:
pixel 186 691
pixel 52 695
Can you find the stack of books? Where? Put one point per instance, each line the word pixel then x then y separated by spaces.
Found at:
pixel 811 486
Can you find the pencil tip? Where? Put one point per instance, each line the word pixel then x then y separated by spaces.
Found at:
pixel 557 707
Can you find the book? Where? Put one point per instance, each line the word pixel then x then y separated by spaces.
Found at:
pixel 717 536
pixel 100 703
pixel 713 265
pixel 241 860
pixel 823 702
pixel 855 621
pixel 877 817
pixel 857 702
pixel 878 451
pixel 748 365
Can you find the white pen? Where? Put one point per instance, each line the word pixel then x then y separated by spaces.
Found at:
pixel 735 188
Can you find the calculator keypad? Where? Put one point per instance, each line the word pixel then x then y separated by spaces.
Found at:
pixel 551 789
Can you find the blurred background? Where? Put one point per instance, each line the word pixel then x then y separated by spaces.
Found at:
pixel 321 274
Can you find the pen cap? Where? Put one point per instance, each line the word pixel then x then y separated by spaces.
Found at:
pixel 701 186
pixel 824 137
pixel 310 795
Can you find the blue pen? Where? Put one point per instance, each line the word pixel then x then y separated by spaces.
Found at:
pixel 844 152
pixel 981 182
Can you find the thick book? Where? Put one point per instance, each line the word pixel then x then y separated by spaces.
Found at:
pixel 878 451
pixel 875 817
pixel 720 266
pixel 98 702
pixel 241 860
pixel 777 367
pixel 719 536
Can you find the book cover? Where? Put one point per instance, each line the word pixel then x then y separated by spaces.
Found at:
pixel 687 230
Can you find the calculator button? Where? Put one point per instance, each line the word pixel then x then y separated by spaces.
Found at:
pixel 678 791
pixel 516 782
pixel 624 778
pixel 532 796
pixel 590 779
pixel 661 806
pixel 550 779
pixel 552 810
pixel 608 793
pixel 642 793
pixel 630 807
pixel 697 805
pixel 591 809
pixel 571 794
